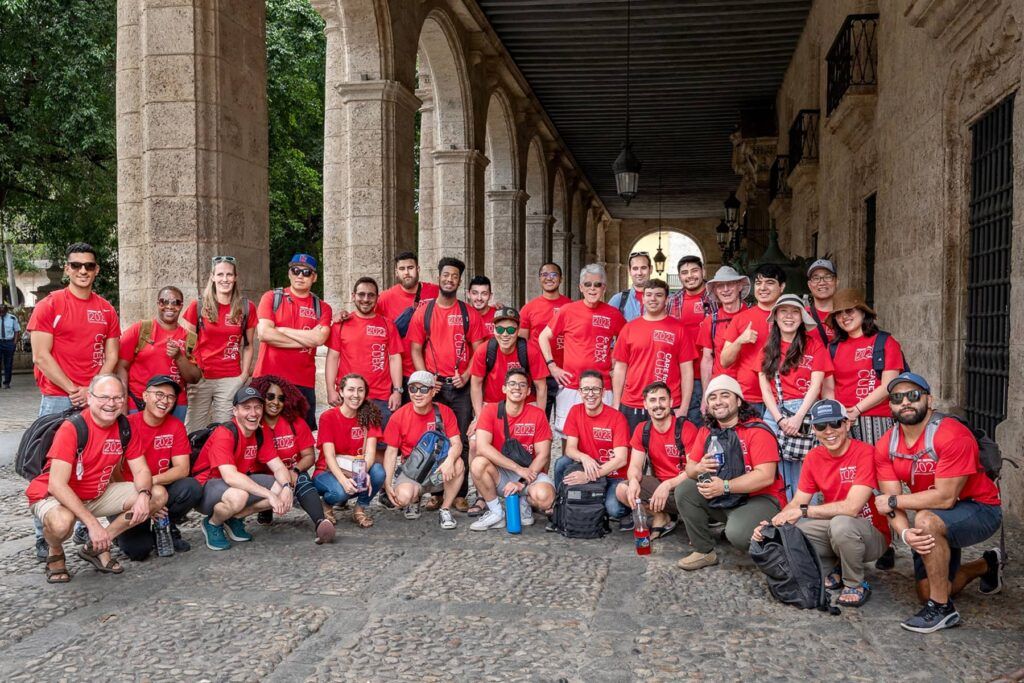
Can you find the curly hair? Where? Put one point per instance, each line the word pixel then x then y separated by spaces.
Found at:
pixel 367 414
pixel 295 404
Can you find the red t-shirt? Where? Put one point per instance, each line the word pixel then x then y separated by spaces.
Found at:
pixel 494 380
pixel 536 315
pixel 830 334
pixel 152 359
pixel 101 457
pixel 692 314
pixel 366 346
pixel 448 351
pixel 652 351
pixel 589 333
pixel 664 455
pixel 796 383
pixel 529 427
pixel 80 329
pixel 599 435
pixel 219 345
pixel 221 449
pixel 345 433
pixel 855 377
pixel 298 366
pixel 834 476
pixel 159 444
pixel 706 341
pixel 406 426
pixel 759 447
pixel 393 301
pixel 957 451
pixel 487 318
pixel 746 365
pixel 290 439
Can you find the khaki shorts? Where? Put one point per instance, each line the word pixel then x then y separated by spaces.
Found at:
pixel 110 503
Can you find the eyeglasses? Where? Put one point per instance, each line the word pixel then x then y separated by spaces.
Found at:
pixel 175 303
pixel 591 390
pixel 516 385
pixel 158 396
pixel 271 397
pixel 108 399
pixel 550 274
pixel 822 426
pixel 419 389
pixel 87 266
pixel 500 329
pixel 223 259
pixel 914 395
pixel 822 278
pixel 592 285
pixel 301 272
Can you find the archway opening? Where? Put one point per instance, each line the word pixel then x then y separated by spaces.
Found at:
pixel 675 245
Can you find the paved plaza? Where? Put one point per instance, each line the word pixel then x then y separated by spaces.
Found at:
pixel 407 601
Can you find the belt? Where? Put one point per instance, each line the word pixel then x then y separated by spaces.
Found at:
pixel 446 380
pixel 636 411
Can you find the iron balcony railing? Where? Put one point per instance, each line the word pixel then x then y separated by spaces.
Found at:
pixel 803 137
pixel 853 58
pixel 777 186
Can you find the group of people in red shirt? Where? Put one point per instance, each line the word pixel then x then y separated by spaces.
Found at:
pixel 698 406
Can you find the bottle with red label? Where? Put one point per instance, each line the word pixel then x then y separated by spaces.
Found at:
pixel 641 532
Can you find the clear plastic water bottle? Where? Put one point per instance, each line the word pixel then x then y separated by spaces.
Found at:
pixel 162 532
pixel 359 473
pixel 513 518
pixel 716 451
pixel 641 532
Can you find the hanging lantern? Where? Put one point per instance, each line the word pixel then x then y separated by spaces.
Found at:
pixel 732 209
pixel 722 235
pixel 627 173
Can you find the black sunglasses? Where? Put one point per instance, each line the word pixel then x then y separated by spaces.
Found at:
pixel 914 395
pixel 271 396
pixel 419 389
pixel 822 426
pixel 89 266
pixel 170 302
pixel 301 272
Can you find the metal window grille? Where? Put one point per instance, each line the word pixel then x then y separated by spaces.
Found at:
pixel 853 58
pixel 987 353
pixel 869 250
pixel 777 186
pixel 803 137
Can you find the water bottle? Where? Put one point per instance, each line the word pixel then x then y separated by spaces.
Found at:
pixel 716 451
pixel 162 532
pixel 359 473
pixel 513 520
pixel 641 532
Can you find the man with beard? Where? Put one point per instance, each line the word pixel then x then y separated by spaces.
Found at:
pixel 690 306
pixel 822 282
pixel 479 297
pixel 956 504
pixel 535 316
pixel 630 303
pixel 728 290
pixel 408 291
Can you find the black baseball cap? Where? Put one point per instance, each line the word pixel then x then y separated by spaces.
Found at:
pixel 160 380
pixel 246 394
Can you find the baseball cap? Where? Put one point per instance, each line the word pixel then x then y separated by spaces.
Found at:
pixel 246 394
pixel 506 313
pixel 723 382
pixel 827 410
pixel 822 263
pixel 422 377
pixel 303 260
pixel 911 377
pixel 161 380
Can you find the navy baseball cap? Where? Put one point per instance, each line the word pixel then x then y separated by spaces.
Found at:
pixel 161 380
pixel 246 394
pixel 303 260
pixel 827 410
pixel 911 377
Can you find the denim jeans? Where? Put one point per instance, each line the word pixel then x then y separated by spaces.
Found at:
pixel 789 470
pixel 53 404
pixel 612 506
pixel 182 495
pixel 693 411
pixel 334 493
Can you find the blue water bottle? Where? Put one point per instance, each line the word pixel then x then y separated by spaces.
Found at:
pixel 513 520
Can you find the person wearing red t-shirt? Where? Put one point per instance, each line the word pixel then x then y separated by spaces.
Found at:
pixel 290 335
pixel 404 431
pixel 165 445
pixel 488 386
pixel 630 302
pixel 283 408
pixel 535 316
pixel 590 328
pixel 666 456
pixel 701 496
pixel 164 351
pixel 366 343
pixel 653 348
pixel 845 527
pixel 224 323
pixel 408 291
pixel 348 465
pixel 478 295
pixel 597 445
pixel 494 472
pixel 690 306
pixel 76 485
pixel 821 283
pixel 728 291
pixel 747 334
pixel 226 467
pixel 957 505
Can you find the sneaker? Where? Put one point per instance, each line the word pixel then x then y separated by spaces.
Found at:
pixel 265 518
pixel 180 544
pixel 887 561
pixel 992 580
pixel 447 521
pixel 412 511
pixel 42 549
pixel 215 538
pixel 550 527
pixel 933 617
pixel 626 523
pixel 81 535
pixel 235 529
pixel 324 532
pixel 385 501
pixel 697 560
pixel 490 519
pixel 525 512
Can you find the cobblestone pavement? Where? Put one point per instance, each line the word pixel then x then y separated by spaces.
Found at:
pixel 405 600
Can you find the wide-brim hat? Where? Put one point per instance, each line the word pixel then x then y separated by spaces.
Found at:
pixel 846 299
pixel 729 274
pixel 796 302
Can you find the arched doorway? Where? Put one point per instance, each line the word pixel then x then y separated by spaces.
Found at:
pixel 675 246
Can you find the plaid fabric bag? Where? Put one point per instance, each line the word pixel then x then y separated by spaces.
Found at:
pixel 794 448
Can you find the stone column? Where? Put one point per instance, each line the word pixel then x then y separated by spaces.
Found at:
pixel 538 230
pixel 429 250
pixel 191 146
pixel 613 255
pixel 458 209
pixel 560 241
pixel 505 244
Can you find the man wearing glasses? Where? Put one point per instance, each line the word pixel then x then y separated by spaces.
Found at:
pixel 535 316
pixel 956 504
pixel 630 302
pixel 822 281
pixel 293 324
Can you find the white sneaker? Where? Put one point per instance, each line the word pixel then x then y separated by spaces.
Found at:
pixel 447 521
pixel 489 520
pixel 525 512
pixel 412 511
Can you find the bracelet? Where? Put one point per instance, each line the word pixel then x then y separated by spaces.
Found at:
pixel 286 486
pixel 549 362
pixel 147 492
pixel 396 390
pixel 725 486
pixel 903 536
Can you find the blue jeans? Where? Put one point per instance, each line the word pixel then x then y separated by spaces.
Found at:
pixel 790 471
pixel 612 506
pixel 693 412
pixel 334 493
pixel 53 404
pixel 385 414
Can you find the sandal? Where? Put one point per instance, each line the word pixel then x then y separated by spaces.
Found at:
pixel 834 580
pixel 54 575
pixel 478 507
pixel 329 513
pixel 111 566
pixel 663 531
pixel 860 594
pixel 433 503
pixel 363 520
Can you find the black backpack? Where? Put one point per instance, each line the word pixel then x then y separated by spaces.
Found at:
pixel 36 441
pixel 734 466
pixel 645 438
pixel 198 439
pixel 877 353
pixel 579 510
pixel 405 317
pixel 792 567
pixel 492 355
pixel 623 300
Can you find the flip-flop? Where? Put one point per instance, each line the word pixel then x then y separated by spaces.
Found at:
pixel 663 531
pixel 111 566
pixel 863 592
pixel 55 575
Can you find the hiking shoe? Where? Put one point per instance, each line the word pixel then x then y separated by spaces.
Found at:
pixel 933 617
pixel 235 529
pixel 81 535
pixel 412 511
pixel 525 512
pixel 42 549
pixel 992 580
pixel 888 559
pixel 447 521
pixel 180 544
pixel 215 538
pixel 489 520
pixel 626 523
pixel 265 518
pixel 697 560
pixel 325 532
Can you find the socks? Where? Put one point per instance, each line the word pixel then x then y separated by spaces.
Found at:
pixel 494 506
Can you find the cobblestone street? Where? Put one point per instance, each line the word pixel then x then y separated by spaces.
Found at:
pixel 407 601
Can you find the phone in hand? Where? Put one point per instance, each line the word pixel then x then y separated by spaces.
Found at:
pixel 704 478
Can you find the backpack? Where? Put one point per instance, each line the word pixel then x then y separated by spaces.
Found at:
pixel 645 438
pixel 623 300
pixel 199 324
pixel 512 449
pixel 492 355
pixel 734 466
pixel 429 451
pixel 877 353
pixel 146 337
pixel 579 510
pixel 792 567
pixel 405 317
pixel 988 450
pixel 36 441
pixel 198 439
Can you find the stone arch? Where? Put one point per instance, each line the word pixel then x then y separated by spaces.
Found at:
pixel 696 231
pixel 538 215
pixel 362 46
pixel 504 208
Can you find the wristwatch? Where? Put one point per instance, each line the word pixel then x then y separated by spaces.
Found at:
pixel 892 506
pixel 396 390
pixel 803 511
pixel 147 492
pixel 725 486
pixel 549 361
pixel 286 486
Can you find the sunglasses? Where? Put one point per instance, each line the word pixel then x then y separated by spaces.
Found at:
pixel 639 253
pixel 822 426
pixel 271 397
pixel 175 303
pixel 223 259
pixel 419 389
pixel 592 285
pixel 88 266
pixel 301 272
pixel 550 274
pixel 500 329
pixel 914 395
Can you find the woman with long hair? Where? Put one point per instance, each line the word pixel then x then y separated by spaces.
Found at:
pixel 224 323
pixel 284 410
pixel 794 365
pixel 348 437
